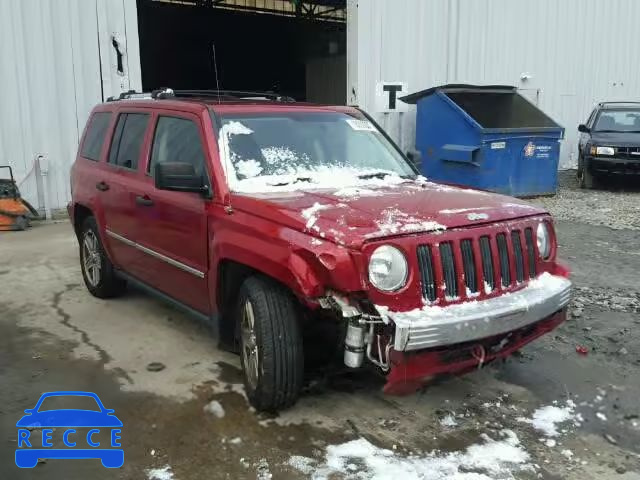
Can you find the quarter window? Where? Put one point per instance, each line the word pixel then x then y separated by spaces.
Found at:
pixel 94 139
pixel 128 139
pixel 177 140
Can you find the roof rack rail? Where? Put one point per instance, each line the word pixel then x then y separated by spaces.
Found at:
pixel 240 94
pixel 129 94
pixel 164 93
pixel 619 103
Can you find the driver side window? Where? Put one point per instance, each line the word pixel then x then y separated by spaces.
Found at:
pixel 177 140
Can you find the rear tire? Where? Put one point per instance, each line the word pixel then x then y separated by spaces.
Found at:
pixel 270 344
pixel 97 270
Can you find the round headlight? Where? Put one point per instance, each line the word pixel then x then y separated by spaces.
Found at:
pixel 388 269
pixel 544 240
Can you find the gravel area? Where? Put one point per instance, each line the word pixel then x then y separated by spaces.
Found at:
pixel 616 205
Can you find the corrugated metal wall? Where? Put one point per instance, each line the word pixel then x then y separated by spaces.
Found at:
pixel 577 52
pixel 58 61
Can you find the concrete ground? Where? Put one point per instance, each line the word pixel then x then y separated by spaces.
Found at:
pixel 55 336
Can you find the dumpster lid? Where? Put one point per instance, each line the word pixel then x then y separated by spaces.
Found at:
pixel 493 107
pixel 414 97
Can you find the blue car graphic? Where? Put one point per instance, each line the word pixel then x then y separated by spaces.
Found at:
pixel 68 419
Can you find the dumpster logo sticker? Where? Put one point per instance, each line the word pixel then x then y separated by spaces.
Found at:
pixel 37 440
pixel 529 149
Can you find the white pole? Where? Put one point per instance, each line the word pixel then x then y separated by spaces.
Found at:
pixel 44 170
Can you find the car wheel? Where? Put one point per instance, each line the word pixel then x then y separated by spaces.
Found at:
pixel 586 179
pixel 97 270
pixel 270 344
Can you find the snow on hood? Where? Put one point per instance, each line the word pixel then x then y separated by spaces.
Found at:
pixel 351 214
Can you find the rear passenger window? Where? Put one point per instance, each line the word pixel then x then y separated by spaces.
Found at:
pixel 177 140
pixel 94 139
pixel 128 139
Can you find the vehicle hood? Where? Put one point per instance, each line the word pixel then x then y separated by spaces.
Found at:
pixel 69 418
pixel 353 215
pixel 616 139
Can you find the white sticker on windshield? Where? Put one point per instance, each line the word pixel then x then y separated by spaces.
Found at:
pixel 363 125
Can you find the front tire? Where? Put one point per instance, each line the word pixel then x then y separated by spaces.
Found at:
pixel 97 270
pixel 586 179
pixel 270 344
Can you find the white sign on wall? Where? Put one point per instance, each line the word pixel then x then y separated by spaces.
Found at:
pixel 388 97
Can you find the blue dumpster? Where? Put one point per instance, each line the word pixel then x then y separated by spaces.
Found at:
pixel 487 137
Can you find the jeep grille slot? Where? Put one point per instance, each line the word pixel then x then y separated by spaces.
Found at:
pixel 503 254
pixel 425 263
pixel 449 270
pixel 469 265
pixel 531 253
pixel 517 253
pixel 487 262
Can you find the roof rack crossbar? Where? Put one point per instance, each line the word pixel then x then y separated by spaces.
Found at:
pixel 234 94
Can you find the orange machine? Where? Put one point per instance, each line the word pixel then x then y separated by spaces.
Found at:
pixel 15 212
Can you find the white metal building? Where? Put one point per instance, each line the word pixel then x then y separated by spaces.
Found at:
pixel 60 57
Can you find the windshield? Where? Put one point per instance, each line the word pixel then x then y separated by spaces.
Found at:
pixel 289 151
pixel 618 121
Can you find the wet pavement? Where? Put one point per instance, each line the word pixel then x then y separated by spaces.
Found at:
pixel 55 336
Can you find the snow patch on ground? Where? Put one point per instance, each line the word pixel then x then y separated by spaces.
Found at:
pixel 448 421
pixel 491 459
pixel 163 473
pixel 214 408
pixel 546 419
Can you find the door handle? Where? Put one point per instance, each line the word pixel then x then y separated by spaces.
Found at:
pixel 103 187
pixel 145 201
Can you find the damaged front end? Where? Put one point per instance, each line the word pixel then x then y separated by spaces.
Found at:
pixel 469 297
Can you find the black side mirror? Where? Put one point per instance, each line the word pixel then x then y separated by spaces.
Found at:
pixel 179 176
pixel 583 128
pixel 415 157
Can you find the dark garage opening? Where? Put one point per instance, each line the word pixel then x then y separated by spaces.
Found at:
pixel 294 48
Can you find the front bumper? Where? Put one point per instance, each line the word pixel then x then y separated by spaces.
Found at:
pixel 620 166
pixel 440 326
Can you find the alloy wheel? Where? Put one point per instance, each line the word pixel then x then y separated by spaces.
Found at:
pixel 91 258
pixel 249 345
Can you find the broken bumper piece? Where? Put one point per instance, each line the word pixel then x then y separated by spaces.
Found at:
pixel 432 327
pixel 411 370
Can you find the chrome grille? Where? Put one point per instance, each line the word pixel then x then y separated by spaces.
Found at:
pixel 449 270
pixel 517 253
pixel 469 265
pixel 503 253
pixel 498 260
pixel 425 263
pixel 487 262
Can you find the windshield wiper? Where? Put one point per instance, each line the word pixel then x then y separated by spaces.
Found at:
pixel 296 180
pixel 381 175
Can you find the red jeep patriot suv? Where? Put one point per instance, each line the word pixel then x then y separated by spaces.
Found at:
pixel 264 217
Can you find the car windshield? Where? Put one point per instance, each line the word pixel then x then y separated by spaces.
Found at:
pixel 290 151
pixel 69 402
pixel 623 120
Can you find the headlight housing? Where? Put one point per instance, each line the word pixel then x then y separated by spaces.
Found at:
pixel 543 238
pixel 388 269
pixel 602 150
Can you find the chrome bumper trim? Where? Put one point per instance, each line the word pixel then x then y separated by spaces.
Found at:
pixel 438 326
